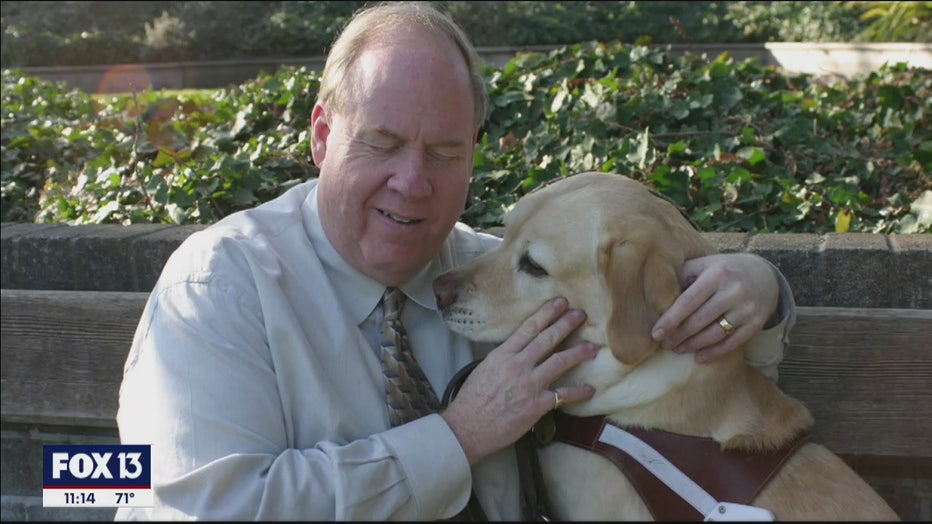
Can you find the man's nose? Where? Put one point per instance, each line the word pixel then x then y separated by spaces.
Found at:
pixel 411 177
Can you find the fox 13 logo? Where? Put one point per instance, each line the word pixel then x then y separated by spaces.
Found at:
pixel 97 476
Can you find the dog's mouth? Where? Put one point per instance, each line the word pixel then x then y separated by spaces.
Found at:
pixel 467 323
pixel 458 316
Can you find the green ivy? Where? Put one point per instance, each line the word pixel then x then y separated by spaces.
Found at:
pixel 739 146
pixel 175 159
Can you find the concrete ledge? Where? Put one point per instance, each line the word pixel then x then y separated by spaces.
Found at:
pixel 87 257
pixel 837 270
pixel 844 60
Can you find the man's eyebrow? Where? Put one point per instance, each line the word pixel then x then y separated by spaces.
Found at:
pixel 448 143
pixel 384 132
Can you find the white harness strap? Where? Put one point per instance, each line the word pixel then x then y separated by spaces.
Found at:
pixel 678 481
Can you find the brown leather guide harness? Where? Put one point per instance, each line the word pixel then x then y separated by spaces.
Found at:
pixel 727 475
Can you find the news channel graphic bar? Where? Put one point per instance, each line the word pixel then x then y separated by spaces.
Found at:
pixel 101 476
pixel 97 498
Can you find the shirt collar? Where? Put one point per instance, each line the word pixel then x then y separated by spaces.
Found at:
pixel 361 293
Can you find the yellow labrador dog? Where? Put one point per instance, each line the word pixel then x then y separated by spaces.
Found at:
pixel 614 249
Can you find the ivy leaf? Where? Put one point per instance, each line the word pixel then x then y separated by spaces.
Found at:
pixel 753 155
pixel 558 100
pixel 843 221
pixel 643 148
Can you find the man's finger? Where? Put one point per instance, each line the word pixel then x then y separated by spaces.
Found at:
pixel 557 364
pixel 547 340
pixel 682 308
pixel 540 320
pixel 728 343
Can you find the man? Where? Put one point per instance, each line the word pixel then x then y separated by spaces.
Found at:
pixel 255 371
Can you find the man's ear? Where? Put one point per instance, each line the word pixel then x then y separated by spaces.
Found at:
pixel 320 131
pixel 643 279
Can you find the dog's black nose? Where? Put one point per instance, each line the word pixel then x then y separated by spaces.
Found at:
pixel 445 290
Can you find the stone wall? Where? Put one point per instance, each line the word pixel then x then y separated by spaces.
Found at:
pixel 841 270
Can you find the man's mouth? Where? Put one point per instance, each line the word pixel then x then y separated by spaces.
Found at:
pixel 396 218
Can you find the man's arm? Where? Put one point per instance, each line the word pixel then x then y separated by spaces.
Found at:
pixel 201 386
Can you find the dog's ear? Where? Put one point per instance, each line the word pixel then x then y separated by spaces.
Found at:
pixel 642 276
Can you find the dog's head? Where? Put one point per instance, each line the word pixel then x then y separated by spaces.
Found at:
pixel 603 241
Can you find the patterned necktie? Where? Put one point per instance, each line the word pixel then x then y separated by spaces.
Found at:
pixel 408 393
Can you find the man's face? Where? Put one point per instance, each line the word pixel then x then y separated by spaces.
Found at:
pixel 395 168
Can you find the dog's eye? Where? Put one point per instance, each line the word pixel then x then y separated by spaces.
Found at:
pixel 529 266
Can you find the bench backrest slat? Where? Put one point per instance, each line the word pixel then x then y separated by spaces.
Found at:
pixel 866 374
pixel 63 354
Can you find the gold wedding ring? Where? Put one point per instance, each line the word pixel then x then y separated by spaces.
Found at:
pixel 727 326
pixel 557 399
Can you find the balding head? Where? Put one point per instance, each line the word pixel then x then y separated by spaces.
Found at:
pixel 389 23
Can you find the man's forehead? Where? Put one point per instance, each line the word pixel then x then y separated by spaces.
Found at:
pixel 410 53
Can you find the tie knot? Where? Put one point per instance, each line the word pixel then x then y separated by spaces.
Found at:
pixel 393 300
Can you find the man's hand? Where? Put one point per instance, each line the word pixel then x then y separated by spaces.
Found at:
pixel 740 287
pixel 509 391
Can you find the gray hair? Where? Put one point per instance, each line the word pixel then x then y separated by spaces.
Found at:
pixel 372 22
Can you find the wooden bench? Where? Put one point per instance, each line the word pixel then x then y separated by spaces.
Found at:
pixel 866 375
